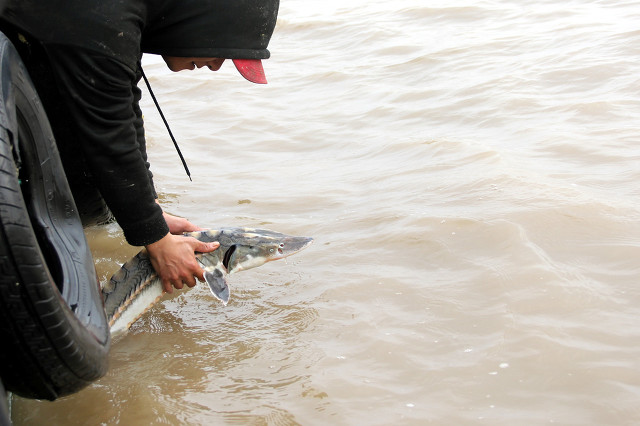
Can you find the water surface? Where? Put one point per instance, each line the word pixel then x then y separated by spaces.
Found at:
pixel 469 173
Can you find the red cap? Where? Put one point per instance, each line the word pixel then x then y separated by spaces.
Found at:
pixel 251 69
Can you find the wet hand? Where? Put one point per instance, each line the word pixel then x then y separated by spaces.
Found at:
pixel 173 258
pixel 178 225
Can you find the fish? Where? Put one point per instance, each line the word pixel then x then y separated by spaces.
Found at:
pixel 136 287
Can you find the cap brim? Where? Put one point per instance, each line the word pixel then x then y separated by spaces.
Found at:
pixel 251 69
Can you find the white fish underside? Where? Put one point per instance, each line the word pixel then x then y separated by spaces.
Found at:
pixel 135 288
pixel 139 303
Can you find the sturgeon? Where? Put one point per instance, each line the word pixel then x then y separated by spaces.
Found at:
pixel 136 287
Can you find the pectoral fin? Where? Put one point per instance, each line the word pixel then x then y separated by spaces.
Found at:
pixel 215 278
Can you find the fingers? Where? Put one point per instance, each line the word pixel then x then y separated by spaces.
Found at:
pixel 178 284
pixel 179 225
pixel 189 227
pixel 179 277
pixel 175 262
pixel 196 270
pixel 200 276
pixel 189 280
pixel 205 247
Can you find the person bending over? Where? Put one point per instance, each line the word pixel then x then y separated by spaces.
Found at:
pixel 90 51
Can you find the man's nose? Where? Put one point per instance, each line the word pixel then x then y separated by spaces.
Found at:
pixel 215 65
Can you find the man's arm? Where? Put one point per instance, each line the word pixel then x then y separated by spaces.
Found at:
pixel 100 95
pixel 98 91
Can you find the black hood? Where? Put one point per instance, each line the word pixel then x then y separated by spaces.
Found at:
pixel 233 29
pixel 124 29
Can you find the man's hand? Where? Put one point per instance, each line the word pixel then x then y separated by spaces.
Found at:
pixel 173 258
pixel 178 225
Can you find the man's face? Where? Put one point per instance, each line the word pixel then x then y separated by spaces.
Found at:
pixel 176 63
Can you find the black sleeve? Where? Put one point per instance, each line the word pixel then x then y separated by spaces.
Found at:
pixel 102 96
pixel 139 125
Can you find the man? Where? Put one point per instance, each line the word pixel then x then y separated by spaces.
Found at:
pixel 93 50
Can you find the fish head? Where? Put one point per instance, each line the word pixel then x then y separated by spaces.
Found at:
pixel 259 248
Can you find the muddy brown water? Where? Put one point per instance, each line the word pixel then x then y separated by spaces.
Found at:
pixel 470 174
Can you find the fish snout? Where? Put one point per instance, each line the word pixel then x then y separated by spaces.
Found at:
pixel 293 245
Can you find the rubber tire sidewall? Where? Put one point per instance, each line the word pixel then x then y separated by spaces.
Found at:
pixel 53 328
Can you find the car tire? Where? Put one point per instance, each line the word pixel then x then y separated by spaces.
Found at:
pixel 53 328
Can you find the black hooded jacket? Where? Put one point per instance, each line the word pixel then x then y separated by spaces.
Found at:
pixel 94 48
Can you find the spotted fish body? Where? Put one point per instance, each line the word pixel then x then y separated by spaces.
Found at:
pixel 136 287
